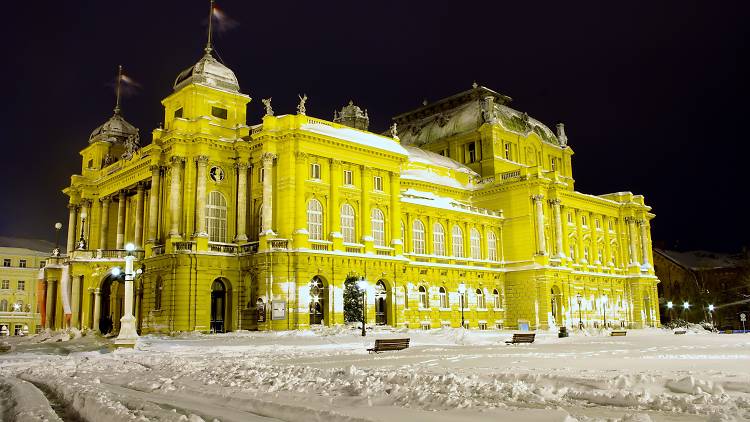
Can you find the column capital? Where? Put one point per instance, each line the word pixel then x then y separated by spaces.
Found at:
pixel 176 160
pixel 97 291
pixel 336 162
pixel 630 220
pixel 241 165
pixel 301 156
pixel 641 221
pixel 268 158
pixel 72 206
pixel 155 168
pixel 202 160
pixel 538 197
pixel 86 203
pixel 105 199
pixel 140 186
pixel 555 202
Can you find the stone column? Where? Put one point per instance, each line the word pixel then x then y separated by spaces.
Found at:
pixel 50 305
pixel 365 199
pixel 104 222
pixel 644 243
pixel 633 245
pixel 268 193
pixel 139 197
pixel 200 197
pixel 75 302
pixel 395 215
pixel 97 309
pixel 607 245
pixel 122 201
pixel 579 238
pixel 336 180
pixel 241 236
pixel 300 214
pixel 539 207
pixel 559 251
pixel 153 204
pixel 137 314
pixel 71 227
pixel 175 197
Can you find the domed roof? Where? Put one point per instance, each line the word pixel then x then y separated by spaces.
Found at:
pixel 208 71
pixel 115 130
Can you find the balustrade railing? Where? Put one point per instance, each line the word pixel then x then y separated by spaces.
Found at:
pixel 510 175
pixel 275 244
pixel 251 247
pixel 157 250
pixel 184 246
pixel 229 248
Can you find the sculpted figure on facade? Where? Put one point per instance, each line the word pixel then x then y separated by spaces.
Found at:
pixel 267 103
pixel 301 106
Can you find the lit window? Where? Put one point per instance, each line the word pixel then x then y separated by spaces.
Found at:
pixel 458 242
pixel 216 217
pixel 315 171
pixel 507 151
pixel 21 285
pixel 476 244
pixel 491 246
pixel 471 152
pixel 378 226
pixel 377 183
pixel 348 178
pixel 610 225
pixel 22 263
pixel 347 223
pixel 261 174
pixel 6 262
pixel 5 285
pixel 443 298
pixel 219 112
pixel 315 220
pixel 570 218
pixel 552 163
pixel 480 299
pixel 424 302
pixel 597 224
pixel 418 240
pixel 438 239
pixel 496 299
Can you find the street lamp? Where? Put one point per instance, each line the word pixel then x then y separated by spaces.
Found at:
pixel 685 307
pixel 362 284
pixel 711 313
pixel 604 305
pixel 670 305
pixel 462 291
pixel 580 315
pixel 56 251
pixel 82 240
pixel 128 334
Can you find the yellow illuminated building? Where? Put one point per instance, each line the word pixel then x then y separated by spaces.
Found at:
pixel 258 227
pixel 21 260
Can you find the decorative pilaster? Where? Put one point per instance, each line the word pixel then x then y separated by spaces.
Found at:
pixel 643 224
pixel 75 302
pixel 300 215
pixel 395 215
pixel 367 239
pixel 241 168
pixel 633 247
pixel 72 217
pixel 559 251
pixel 153 205
pixel 50 303
pixel 607 242
pixel 539 208
pixel 175 198
pixel 200 197
pixel 139 198
pixel 121 219
pixel 579 238
pixel 104 222
pixel 335 208
pixel 97 309
pixel 267 160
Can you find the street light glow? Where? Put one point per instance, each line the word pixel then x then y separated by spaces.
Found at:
pixel 670 305
pixel 685 305
pixel 362 283
pixel 130 247
pixel 462 288
pixel 711 308
pixel 58 226
pixel 116 271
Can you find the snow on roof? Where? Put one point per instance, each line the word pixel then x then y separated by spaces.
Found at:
pixel 419 155
pixel 37 245
pixel 703 260
pixel 429 199
pixel 430 177
pixel 356 136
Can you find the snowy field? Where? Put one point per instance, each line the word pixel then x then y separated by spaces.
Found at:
pixel 326 375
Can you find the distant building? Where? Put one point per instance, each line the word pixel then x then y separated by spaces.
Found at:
pixel 703 278
pixel 21 261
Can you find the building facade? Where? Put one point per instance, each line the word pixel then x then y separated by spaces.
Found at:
pixel 464 211
pixel 21 263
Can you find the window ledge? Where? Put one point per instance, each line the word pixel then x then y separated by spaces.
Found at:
pixel 446 309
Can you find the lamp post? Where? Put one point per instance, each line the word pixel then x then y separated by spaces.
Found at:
pixel 462 291
pixel 604 305
pixel 580 314
pixel 56 251
pixel 685 307
pixel 362 284
pixel 670 305
pixel 82 240
pixel 711 314
pixel 128 334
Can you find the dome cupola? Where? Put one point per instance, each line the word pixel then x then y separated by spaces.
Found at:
pixel 208 71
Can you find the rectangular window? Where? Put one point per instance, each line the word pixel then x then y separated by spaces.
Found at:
pixel 5 285
pixel 261 174
pixel 91 164
pixel 584 221
pixel 315 171
pixel 471 152
pixel 377 183
pixel 507 151
pixel 21 285
pixel 570 218
pixel 219 112
pixel 42 264
pixel 598 224
pixel 611 227
pixel 6 262
pixel 22 263
pixel 552 163
pixel 178 112
pixel 348 178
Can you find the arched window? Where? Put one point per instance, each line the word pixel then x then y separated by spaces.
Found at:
pixel 481 304
pixel 572 252
pixel 491 246
pixel 378 226
pixel 476 244
pixel 157 293
pixel 216 217
pixel 424 302
pixel 600 254
pixel 496 299
pixel 315 220
pixel 458 242
pixel 586 254
pixel 347 223
pixel 418 233
pixel 613 247
pixel 3 305
pixel 438 239
pixel 443 298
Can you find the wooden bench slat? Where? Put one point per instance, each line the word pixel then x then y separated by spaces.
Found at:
pixel 389 344
pixel 522 338
pixel 618 333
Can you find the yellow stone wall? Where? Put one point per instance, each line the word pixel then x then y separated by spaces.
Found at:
pixel 27 273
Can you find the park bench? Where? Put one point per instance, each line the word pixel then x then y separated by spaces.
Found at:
pixel 618 333
pixel 385 345
pixel 521 338
pixel 680 332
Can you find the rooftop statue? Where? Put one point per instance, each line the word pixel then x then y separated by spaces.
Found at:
pixel 267 102
pixel 301 106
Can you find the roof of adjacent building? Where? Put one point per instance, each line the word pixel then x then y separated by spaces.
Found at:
pixel 704 260
pixel 36 245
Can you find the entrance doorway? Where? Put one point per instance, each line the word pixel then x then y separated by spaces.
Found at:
pixel 381 296
pixel 111 304
pixel 317 301
pixel 556 305
pixel 218 306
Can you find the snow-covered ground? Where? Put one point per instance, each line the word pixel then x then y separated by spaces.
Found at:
pixel 326 375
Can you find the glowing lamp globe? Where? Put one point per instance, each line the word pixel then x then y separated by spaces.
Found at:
pixel 58 226
pixel 130 247
pixel 116 271
pixel 670 304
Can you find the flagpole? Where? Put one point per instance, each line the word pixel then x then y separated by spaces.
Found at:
pixel 210 20
pixel 117 93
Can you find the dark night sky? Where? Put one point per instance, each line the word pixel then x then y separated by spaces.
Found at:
pixel 654 95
